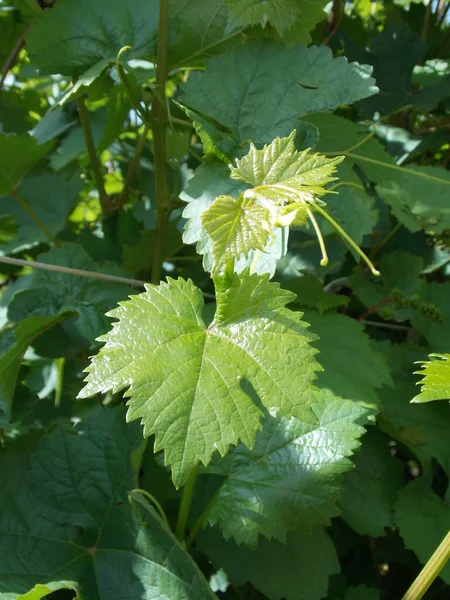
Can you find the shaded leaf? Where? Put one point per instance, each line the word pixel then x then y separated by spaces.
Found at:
pixel 370 490
pixel 78 522
pixel 46 294
pixel 13 344
pixel 286 83
pixel 18 155
pixel 310 292
pixel 297 570
pixel 423 519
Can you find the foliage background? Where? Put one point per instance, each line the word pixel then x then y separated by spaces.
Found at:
pixel 348 507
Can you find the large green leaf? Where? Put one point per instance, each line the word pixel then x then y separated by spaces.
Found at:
pixel 14 342
pixel 417 195
pixel 184 378
pixel 46 294
pixel 51 197
pixel 66 518
pixel 353 369
pixel 370 490
pixel 290 479
pixel 423 519
pixel 296 570
pixel 18 155
pixel 286 83
pixel 435 384
pixel 77 35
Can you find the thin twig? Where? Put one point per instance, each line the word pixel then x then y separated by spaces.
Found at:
pixel 69 271
pixel 374 308
pixel 13 55
pixel 95 163
pixel 385 325
pixel 133 166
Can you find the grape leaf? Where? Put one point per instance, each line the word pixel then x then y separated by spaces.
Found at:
pixel 191 396
pixel 371 489
pixel 79 526
pixel 417 194
pixel 296 570
pixel 18 155
pixel 436 331
pixel 235 229
pixel 51 197
pixel 310 292
pixel 423 519
pixel 290 479
pixel 435 384
pixel 78 35
pixel 13 344
pixel 286 84
pixel 198 28
pixel 356 369
pixel 362 593
pixel 280 163
pixel 46 294
pixel 422 428
pixel 281 13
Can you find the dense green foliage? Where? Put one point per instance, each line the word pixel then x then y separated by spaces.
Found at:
pixel 225 299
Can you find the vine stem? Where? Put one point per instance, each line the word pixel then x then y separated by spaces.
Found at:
pixel 133 166
pixel 185 506
pixel 42 226
pixel 95 163
pixel 13 55
pixel 69 271
pixel 430 571
pixel 159 123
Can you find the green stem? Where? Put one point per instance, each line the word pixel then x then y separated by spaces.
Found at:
pixel 159 123
pixel 137 492
pixel 132 96
pixel 347 238
pixel 354 147
pixel 95 163
pixel 34 216
pixel 324 261
pixel 185 505
pixel 133 166
pixel 387 239
pixel 60 364
pixel 430 571
pixel 202 519
pixel 229 269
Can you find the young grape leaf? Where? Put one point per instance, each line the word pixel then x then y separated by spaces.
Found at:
pixel 280 163
pixel 290 479
pixel 370 490
pixel 46 294
pixel 13 345
pixel 286 84
pixel 435 384
pixel 66 506
pixel 184 378
pixel 235 229
pixel 296 570
pixel 423 519
pixel 18 155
